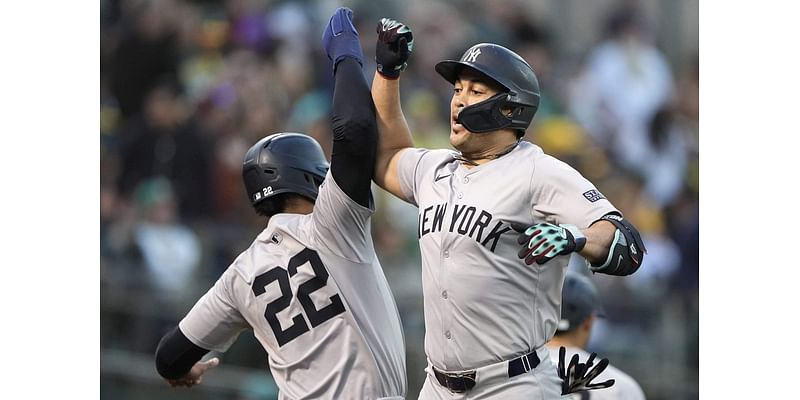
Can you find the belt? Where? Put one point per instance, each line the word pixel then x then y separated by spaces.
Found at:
pixel 462 381
pixel 457 382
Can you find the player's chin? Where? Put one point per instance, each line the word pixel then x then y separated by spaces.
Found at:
pixel 458 135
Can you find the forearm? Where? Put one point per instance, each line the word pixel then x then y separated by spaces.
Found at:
pixel 355 134
pixel 393 132
pixel 598 240
pixel 611 244
pixel 176 355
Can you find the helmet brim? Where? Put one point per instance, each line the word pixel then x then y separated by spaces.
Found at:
pixel 451 69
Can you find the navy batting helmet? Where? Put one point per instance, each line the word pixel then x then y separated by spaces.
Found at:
pixel 579 299
pixel 507 69
pixel 284 163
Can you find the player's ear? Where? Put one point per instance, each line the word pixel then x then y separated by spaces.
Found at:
pixel 588 323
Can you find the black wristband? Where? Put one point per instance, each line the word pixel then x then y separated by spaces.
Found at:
pixel 390 75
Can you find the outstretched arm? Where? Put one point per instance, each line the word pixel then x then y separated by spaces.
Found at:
pixel 612 245
pixel 393 48
pixel 213 322
pixel 355 135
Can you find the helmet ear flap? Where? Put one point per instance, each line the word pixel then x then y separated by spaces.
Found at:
pixel 518 116
pixel 313 179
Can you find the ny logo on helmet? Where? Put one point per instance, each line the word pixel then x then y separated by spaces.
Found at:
pixel 472 55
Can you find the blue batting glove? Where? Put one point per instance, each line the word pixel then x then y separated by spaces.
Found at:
pixel 340 38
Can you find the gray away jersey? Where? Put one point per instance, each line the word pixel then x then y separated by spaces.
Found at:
pixel 482 303
pixel 624 388
pixel 312 290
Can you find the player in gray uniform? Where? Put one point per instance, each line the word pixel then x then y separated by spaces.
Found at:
pixel 310 286
pixel 579 306
pixel 482 209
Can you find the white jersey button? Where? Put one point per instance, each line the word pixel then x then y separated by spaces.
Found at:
pixel 460 195
pixel 447 334
pixel 446 253
pixel 444 294
pixel 466 180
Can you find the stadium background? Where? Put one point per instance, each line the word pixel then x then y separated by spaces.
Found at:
pixel 187 86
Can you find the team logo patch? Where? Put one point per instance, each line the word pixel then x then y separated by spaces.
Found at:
pixel 593 195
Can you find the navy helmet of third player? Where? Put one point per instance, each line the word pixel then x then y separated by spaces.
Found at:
pixel 580 306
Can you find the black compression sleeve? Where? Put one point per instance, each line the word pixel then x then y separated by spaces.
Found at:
pixel 355 132
pixel 176 355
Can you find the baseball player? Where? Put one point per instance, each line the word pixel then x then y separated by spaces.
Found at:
pixel 310 286
pixel 487 212
pixel 579 306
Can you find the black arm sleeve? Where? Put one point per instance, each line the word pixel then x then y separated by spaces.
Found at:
pixel 355 132
pixel 176 355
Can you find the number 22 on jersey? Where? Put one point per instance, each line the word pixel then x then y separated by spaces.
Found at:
pixel 298 324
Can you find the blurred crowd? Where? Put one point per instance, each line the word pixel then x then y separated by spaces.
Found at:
pixel 187 86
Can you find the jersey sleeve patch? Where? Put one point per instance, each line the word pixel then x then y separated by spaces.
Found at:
pixel 593 195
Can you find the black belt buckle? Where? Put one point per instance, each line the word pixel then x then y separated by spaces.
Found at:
pixel 456 382
pixel 523 364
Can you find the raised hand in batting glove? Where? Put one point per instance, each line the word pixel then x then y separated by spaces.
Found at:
pixel 578 376
pixel 395 42
pixel 543 242
pixel 340 38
